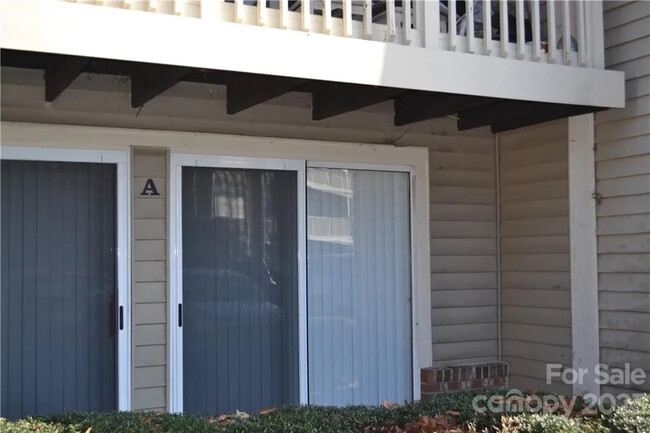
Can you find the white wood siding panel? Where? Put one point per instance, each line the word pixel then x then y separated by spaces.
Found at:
pixel 464 316
pixel 624 244
pixel 535 262
pixel 625 282
pixel 463 251
pixel 622 148
pixel 623 179
pixel 149 289
pixel 535 315
pixel 626 205
pixel 460 281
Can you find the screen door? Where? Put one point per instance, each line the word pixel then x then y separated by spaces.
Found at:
pixel 240 290
pixel 58 287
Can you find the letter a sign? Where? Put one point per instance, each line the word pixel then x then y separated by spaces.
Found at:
pixel 150 188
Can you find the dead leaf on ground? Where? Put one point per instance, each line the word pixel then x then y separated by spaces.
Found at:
pixel 389 405
pixel 453 413
pixel 88 430
pixel 269 410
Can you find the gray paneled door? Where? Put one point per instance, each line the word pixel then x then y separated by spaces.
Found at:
pixel 58 287
pixel 240 289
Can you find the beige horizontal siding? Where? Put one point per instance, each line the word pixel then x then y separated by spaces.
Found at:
pixel 149 287
pixel 535 263
pixel 623 180
pixel 463 252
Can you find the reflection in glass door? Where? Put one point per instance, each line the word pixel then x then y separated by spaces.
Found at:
pixel 240 289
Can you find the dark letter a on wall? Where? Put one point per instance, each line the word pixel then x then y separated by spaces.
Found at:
pixel 150 188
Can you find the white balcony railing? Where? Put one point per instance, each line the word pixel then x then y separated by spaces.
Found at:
pixel 545 31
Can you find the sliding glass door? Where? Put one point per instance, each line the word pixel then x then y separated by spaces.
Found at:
pixel 240 289
pixel 291 284
pixel 359 286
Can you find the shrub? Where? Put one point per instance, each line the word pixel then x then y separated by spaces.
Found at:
pixel 550 423
pixel 633 416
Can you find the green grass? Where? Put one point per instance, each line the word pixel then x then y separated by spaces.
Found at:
pixel 456 408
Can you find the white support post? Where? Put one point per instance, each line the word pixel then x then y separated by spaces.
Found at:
pixel 367 19
pixel 581 28
pixel 566 31
pixel 451 25
pixel 305 10
pixel 583 252
pixel 430 23
pixel 595 35
pixel 521 42
pixel 210 9
pixel 390 20
pixel 406 21
pixel 261 12
pixel 284 14
pixel 487 27
pixel 239 11
pixel 535 18
pixel 503 20
pixel 327 16
pixel 552 40
pixel 469 17
pixel 347 18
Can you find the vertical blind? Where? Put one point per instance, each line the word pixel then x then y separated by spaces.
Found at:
pixel 58 291
pixel 240 290
pixel 359 287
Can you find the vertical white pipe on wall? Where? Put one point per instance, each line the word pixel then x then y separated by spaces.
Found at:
pixel 497 158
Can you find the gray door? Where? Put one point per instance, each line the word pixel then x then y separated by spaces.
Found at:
pixel 58 287
pixel 240 290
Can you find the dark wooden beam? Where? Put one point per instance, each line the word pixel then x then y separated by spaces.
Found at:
pixel 561 112
pixel 149 81
pixel 332 99
pixel 418 106
pixel 60 72
pixel 501 112
pixel 244 91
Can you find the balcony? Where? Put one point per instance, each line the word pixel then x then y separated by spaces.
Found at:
pixel 537 59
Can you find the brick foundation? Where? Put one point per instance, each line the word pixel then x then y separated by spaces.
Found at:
pixel 463 377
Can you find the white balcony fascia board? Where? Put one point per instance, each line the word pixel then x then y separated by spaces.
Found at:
pixel 99 32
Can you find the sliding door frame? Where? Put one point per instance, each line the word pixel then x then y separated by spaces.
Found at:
pixel 177 162
pixel 415 369
pixel 123 260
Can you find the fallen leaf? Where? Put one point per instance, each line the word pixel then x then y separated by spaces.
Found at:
pixel 453 413
pixel 88 430
pixel 388 405
pixel 269 410
pixel 589 412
